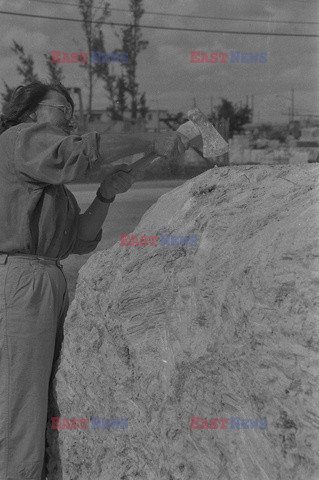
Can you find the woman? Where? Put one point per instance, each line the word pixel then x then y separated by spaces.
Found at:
pixel 40 223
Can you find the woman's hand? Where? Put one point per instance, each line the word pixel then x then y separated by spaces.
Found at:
pixel 118 180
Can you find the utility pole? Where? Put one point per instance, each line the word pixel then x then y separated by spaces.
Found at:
pixel 252 109
pixel 292 104
pixel 158 119
pixel 158 116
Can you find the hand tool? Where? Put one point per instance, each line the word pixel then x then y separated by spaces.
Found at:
pixel 197 132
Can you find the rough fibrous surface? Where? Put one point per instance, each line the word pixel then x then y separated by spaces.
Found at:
pixel 224 329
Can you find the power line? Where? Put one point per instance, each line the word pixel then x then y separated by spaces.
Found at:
pixel 155 27
pixel 256 20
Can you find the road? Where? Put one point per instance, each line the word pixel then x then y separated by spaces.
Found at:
pixel 124 215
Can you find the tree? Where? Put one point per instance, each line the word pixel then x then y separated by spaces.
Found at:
pixel 143 109
pixel 91 27
pixel 118 86
pixel 7 94
pixel 26 67
pixel 26 70
pixel 237 116
pixel 55 70
pixel 102 71
pixel 133 44
pixel 242 116
pixel 121 99
pixel 174 121
pixel 118 106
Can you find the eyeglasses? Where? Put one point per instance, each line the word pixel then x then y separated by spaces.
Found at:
pixel 66 109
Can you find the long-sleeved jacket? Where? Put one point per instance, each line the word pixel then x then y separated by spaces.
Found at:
pixel 38 214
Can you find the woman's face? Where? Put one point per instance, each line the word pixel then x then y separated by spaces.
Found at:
pixel 54 115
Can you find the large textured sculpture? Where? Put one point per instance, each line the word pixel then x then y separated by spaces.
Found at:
pixel 224 330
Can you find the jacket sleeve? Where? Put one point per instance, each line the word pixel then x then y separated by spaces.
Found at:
pixel 45 154
pixel 86 246
pixel 78 245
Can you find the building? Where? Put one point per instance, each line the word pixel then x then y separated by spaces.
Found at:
pixel 154 121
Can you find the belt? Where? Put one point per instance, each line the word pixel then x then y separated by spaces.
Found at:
pixel 26 256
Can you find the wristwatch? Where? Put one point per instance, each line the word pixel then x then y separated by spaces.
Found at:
pixel 103 199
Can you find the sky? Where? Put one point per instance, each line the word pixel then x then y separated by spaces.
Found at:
pixel 165 72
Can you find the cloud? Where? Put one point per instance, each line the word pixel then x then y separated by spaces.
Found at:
pixel 164 68
pixel 35 41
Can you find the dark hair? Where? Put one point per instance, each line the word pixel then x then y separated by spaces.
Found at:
pixel 25 99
